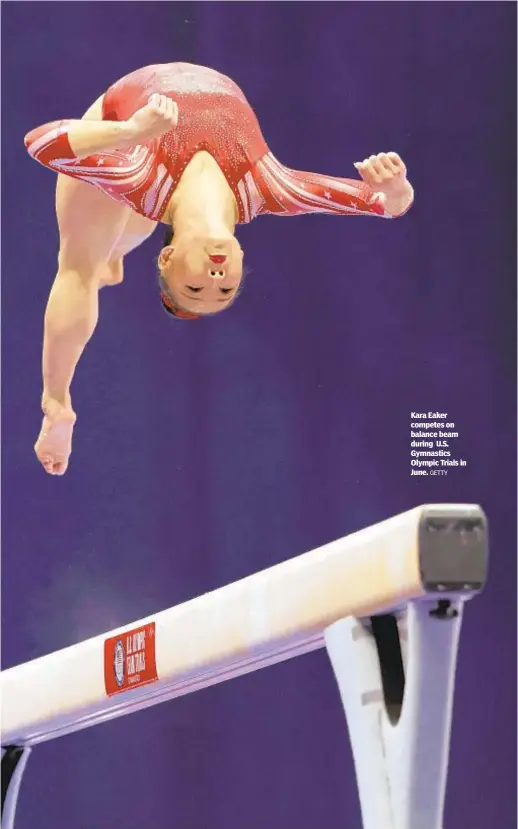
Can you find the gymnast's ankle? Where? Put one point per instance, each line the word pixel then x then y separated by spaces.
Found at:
pixel 58 409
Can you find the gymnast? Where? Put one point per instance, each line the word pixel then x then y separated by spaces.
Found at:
pixel 176 144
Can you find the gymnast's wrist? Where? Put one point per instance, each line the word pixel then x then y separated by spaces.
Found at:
pixel 399 203
pixel 129 133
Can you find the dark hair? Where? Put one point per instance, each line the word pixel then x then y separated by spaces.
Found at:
pixel 169 305
pixel 168 237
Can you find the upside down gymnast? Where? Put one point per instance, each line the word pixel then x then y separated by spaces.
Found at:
pixel 177 144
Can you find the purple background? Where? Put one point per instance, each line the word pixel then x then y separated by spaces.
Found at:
pixel 207 452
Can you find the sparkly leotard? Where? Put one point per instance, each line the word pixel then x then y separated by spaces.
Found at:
pixel 215 116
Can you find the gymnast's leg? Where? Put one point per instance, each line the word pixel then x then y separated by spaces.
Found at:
pixel 90 225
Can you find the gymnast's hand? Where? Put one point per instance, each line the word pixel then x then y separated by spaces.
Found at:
pixel 159 115
pixel 385 173
pixel 54 443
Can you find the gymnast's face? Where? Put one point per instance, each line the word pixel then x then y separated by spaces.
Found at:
pixel 202 274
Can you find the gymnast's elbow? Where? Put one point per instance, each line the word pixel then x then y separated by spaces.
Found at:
pixel 30 140
pixel 39 141
pixel 28 143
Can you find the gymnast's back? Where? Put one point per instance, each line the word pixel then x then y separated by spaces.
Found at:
pixel 214 115
pixel 209 104
pixel 185 79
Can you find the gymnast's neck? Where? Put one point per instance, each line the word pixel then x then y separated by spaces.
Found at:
pixel 203 204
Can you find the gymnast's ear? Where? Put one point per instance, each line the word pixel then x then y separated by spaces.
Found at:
pixel 164 256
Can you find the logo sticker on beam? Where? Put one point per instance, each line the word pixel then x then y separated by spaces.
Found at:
pixel 130 660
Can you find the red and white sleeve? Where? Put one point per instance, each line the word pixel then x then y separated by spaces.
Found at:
pixel 50 146
pixel 293 192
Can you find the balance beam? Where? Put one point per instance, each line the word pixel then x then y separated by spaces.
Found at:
pixel 387 604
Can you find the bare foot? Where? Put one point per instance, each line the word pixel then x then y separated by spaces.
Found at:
pixel 54 443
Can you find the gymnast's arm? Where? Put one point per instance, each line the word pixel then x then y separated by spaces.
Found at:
pixel 79 138
pixel 69 140
pixel 291 192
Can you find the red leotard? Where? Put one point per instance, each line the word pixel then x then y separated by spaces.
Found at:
pixel 215 116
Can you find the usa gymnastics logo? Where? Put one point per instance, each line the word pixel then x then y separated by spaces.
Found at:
pixel 118 663
pixel 130 659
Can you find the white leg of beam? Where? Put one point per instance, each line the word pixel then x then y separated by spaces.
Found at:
pixel 401 766
pixel 14 760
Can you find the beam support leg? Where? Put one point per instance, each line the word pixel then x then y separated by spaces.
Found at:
pixel 396 677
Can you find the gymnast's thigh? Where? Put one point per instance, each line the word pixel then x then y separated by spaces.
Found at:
pixel 90 222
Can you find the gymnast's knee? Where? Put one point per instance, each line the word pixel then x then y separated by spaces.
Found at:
pixel 112 274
